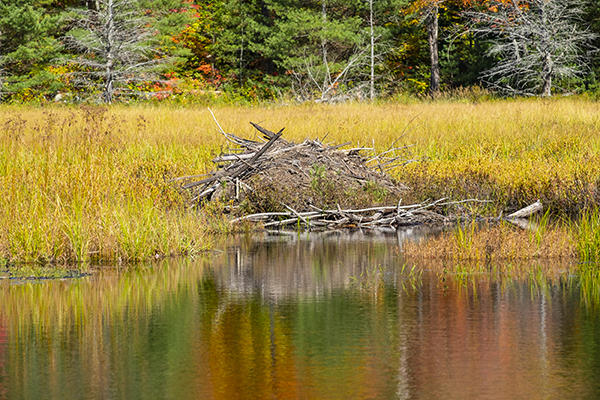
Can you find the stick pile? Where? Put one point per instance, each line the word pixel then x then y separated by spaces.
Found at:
pixel 314 185
pixel 302 175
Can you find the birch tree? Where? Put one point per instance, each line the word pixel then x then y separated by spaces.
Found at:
pixel 381 13
pixel 536 43
pixel 372 40
pixel 113 46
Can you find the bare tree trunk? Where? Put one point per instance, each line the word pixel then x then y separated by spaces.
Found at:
pixel 547 76
pixel 432 37
pixel 108 88
pixel 535 46
pixel 241 80
pixel 546 56
pixel 327 78
pixel 372 91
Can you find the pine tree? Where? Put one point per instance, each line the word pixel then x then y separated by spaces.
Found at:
pixel 28 44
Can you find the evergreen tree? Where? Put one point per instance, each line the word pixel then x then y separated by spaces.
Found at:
pixel 321 45
pixel 28 45
pixel 241 28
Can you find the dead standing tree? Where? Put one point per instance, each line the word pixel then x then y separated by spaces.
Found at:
pixel 327 68
pixel 537 42
pixel 427 12
pixel 113 45
pixel 430 18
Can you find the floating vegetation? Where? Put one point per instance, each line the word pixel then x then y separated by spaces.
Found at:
pixel 36 272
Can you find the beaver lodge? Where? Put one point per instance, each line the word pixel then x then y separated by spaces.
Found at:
pixel 312 184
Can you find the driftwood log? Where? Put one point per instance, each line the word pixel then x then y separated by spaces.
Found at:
pixel 527 211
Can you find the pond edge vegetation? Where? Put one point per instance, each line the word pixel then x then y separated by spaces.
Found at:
pixel 91 184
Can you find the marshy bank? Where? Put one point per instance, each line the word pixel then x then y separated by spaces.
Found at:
pixel 91 184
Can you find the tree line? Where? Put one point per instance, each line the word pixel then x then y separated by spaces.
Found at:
pixel 311 50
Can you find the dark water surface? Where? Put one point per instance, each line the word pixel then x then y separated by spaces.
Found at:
pixel 333 317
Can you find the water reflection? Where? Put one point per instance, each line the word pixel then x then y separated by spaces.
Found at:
pixel 288 316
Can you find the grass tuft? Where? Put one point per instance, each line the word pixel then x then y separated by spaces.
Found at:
pixel 588 236
pixel 502 242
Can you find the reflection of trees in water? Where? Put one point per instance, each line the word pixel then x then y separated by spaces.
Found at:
pixel 285 320
pixel 3 361
pixel 92 335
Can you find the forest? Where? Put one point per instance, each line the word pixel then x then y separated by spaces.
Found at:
pixel 302 50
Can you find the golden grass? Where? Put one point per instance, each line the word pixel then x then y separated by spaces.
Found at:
pixel 85 184
pixel 512 151
pixel 497 243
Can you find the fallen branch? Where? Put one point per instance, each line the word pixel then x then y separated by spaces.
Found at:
pixel 527 211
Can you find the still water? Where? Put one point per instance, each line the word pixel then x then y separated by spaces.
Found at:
pixel 333 316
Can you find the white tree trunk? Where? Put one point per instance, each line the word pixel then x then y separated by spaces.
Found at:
pixel 372 80
pixel 547 76
pixel 110 49
pixel 327 77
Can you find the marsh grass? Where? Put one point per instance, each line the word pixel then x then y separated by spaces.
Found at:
pixel 90 183
pixel 587 230
pixel 499 242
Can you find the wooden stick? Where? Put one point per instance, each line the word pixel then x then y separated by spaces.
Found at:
pixel 465 201
pixel 527 211
pixel 274 214
pixel 217 122
pixel 188 177
pixel 386 208
pixel 296 213
pixel 286 221
pixel 232 157
pixel 268 134
pixel 338 146
pixel 262 151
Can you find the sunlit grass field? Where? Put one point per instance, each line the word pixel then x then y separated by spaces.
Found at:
pixel 91 184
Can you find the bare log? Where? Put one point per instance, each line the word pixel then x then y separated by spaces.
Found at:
pixel 527 211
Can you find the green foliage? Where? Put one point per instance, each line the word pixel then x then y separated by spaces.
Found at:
pixel 588 237
pixel 258 49
pixel 28 44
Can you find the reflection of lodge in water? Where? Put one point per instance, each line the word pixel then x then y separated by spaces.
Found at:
pixel 290 263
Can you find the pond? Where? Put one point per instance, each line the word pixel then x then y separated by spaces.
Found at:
pixel 319 316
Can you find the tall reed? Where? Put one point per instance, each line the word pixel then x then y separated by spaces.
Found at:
pixel 587 230
pixel 92 184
